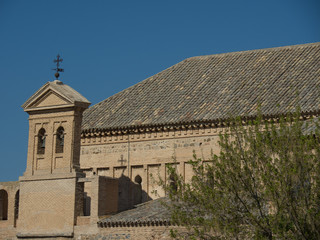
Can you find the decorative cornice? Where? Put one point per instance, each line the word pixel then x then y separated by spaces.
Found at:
pixel 178 126
pixel 137 223
pixel 149 128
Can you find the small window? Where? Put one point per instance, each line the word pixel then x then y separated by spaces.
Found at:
pixel 16 207
pixel 41 141
pixel 60 140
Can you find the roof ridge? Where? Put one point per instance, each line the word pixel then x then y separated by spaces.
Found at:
pixel 256 50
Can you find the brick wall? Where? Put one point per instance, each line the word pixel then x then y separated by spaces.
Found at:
pixel 47 207
pixel 108 196
pixel 126 157
pixel 132 233
pixel 8 226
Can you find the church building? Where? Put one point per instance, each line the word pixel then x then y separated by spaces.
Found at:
pixel 92 171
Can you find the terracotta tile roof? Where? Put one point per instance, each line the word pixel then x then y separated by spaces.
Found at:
pixel 215 87
pixel 145 214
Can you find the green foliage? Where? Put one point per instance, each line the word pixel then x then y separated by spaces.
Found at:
pixel 264 184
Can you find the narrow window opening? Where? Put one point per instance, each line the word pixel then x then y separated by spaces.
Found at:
pixel 60 140
pixel 41 141
pixel 3 205
pixel 16 207
pixel 86 204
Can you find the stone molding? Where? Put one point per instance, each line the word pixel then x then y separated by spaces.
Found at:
pixel 182 129
pixel 155 223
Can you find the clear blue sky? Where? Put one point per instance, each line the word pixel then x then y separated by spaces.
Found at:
pixel 108 46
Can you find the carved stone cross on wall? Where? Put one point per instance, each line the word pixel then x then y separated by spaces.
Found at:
pixel 122 160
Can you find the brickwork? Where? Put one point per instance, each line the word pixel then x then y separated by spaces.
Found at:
pixel 79 200
pixel 147 155
pixel 7 233
pixel 50 161
pixel 48 207
pixel 8 206
pixel 108 196
pixel 50 194
pixel 132 233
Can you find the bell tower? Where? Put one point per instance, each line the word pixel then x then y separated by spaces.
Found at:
pixel 49 188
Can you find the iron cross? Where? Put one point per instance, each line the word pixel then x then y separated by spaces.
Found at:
pixel 122 160
pixel 57 69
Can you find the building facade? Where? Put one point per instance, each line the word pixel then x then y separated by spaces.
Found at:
pixel 92 172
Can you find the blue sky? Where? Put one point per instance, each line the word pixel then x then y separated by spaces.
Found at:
pixel 108 46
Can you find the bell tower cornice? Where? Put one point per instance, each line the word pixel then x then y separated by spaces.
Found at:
pixel 55 95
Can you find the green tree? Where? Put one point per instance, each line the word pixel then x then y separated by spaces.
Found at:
pixel 264 184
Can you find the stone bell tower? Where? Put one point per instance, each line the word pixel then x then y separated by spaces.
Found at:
pixel 50 195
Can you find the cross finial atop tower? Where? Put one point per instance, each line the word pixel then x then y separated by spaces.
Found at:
pixel 57 69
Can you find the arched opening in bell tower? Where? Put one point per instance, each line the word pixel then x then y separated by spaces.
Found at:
pixel 60 140
pixel 16 207
pixel 3 205
pixel 41 141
